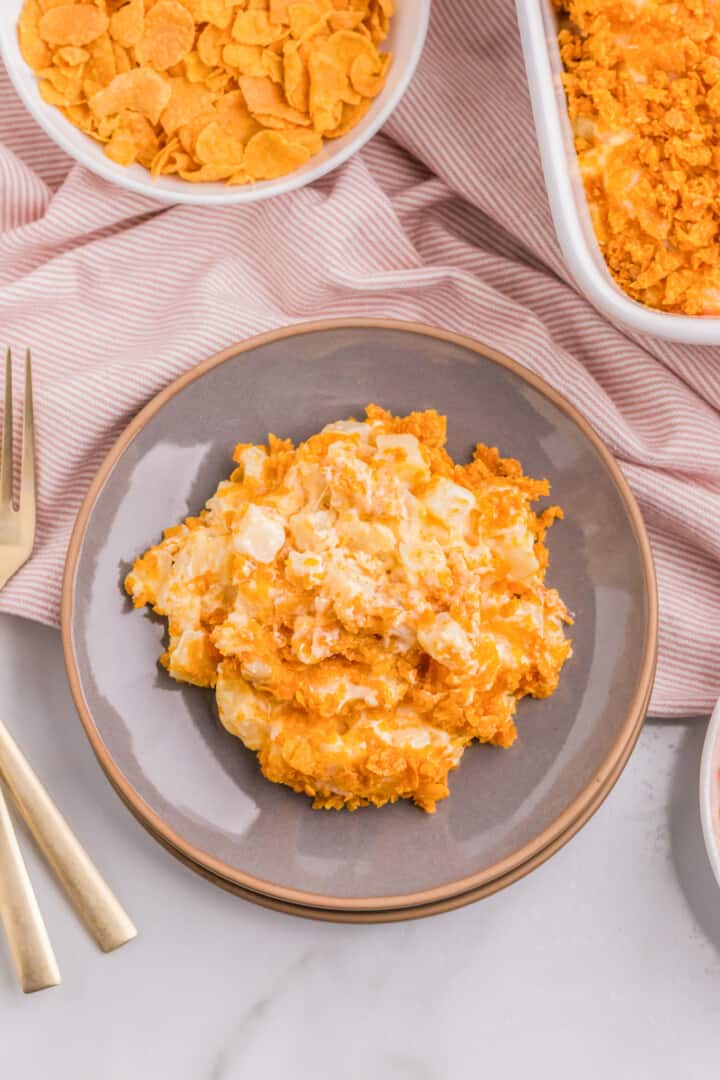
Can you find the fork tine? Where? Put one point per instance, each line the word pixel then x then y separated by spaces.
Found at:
pixel 27 479
pixel 6 463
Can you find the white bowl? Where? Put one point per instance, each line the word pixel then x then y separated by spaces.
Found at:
pixel 405 40
pixel 538 29
pixel 710 792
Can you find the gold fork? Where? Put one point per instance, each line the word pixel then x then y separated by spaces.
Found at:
pixel 86 888
pixel 17 526
pixel 30 946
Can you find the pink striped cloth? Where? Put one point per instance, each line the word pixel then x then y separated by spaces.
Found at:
pixel 441 219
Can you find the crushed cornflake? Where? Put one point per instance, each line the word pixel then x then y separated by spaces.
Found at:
pixel 363 606
pixel 233 90
pixel 642 79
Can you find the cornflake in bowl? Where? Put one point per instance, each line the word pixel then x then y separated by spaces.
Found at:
pixel 209 89
pixel 212 102
pixel 363 606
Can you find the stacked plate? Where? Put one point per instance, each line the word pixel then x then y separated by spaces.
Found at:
pixel 199 792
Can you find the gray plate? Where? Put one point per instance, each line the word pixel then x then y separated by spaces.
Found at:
pixel 195 785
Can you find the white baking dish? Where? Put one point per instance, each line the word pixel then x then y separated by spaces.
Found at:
pixel 710 792
pixel 538 30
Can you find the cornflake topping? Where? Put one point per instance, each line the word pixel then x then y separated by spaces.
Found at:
pixel 363 606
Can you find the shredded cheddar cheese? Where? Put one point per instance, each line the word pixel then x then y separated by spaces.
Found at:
pixel 642 79
pixel 363 606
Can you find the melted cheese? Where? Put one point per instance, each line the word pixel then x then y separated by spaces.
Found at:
pixel 363 606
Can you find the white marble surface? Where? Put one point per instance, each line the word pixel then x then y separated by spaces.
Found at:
pixel 603 963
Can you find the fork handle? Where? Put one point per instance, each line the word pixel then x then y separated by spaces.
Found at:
pixel 86 888
pixel 30 946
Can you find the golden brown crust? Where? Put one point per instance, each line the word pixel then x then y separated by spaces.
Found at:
pixel 361 655
pixel 643 88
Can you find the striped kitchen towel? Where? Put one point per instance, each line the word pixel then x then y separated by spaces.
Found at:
pixel 441 219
